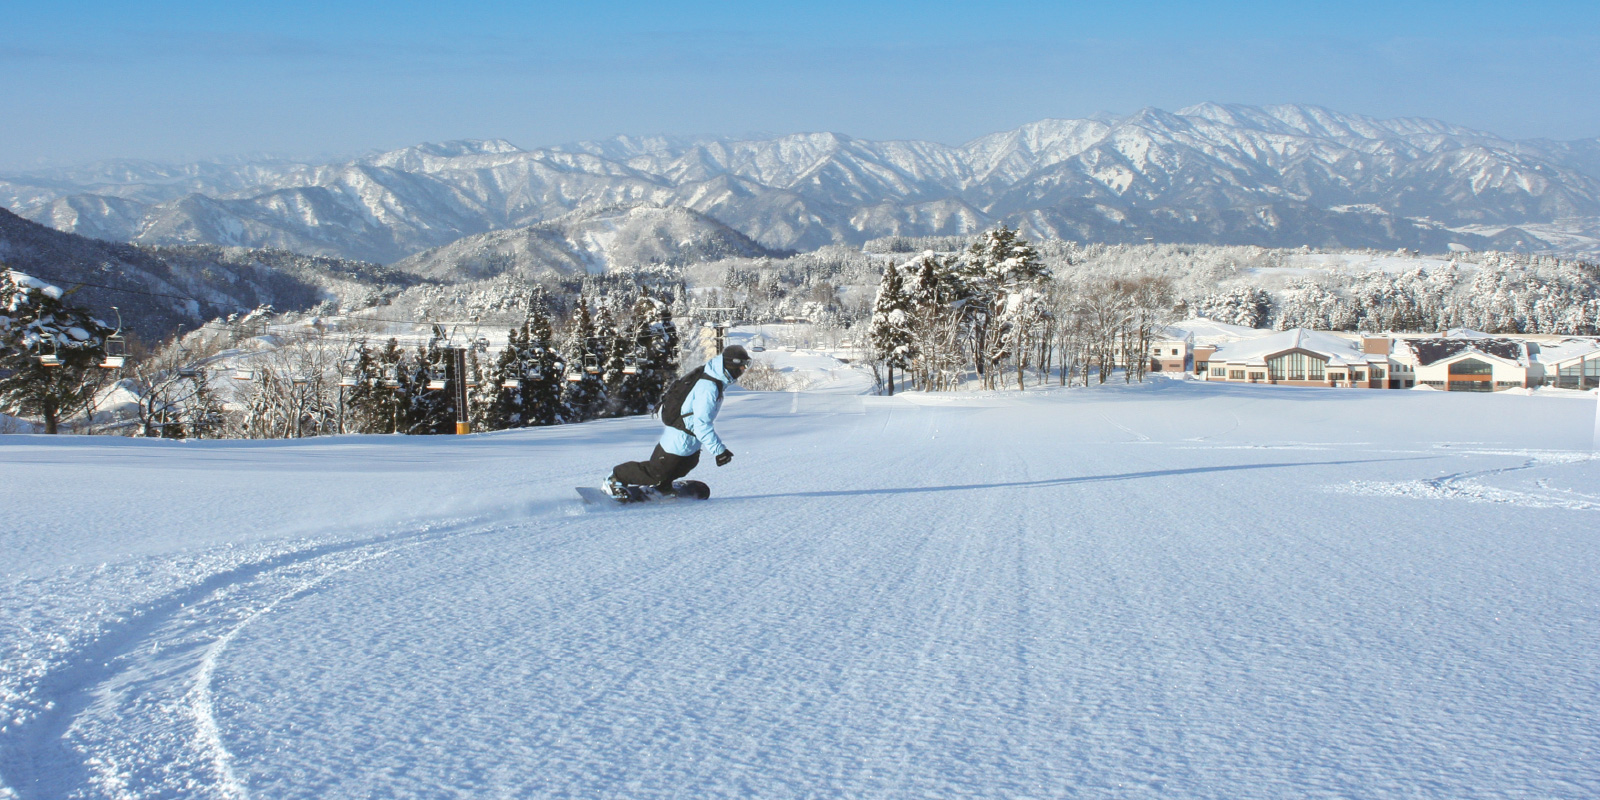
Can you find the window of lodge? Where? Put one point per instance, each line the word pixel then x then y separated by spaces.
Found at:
pixel 1296 367
pixel 1235 374
pixel 1471 366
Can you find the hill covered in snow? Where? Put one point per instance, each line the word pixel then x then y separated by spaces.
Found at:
pixel 586 242
pixel 1176 590
pixel 162 289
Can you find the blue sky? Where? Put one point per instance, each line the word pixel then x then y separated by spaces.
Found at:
pixel 173 80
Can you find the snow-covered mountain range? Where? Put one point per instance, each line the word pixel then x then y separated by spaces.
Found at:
pixel 1282 175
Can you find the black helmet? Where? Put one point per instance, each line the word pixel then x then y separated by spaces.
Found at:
pixel 734 360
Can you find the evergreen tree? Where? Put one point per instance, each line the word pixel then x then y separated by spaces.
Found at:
pixel 583 396
pixel 429 411
pixel 654 355
pixel 997 266
pixel 483 395
pixel 364 403
pixel 504 410
pixel 542 378
pixel 613 350
pixel 50 352
pixel 890 331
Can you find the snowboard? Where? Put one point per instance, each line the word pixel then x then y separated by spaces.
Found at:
pixel 681 490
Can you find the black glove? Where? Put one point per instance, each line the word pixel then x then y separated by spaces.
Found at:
pixel 724 457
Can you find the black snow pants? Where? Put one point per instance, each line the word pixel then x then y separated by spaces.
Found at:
pixel 660 471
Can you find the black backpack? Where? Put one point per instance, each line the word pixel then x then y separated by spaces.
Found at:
pixel 671 407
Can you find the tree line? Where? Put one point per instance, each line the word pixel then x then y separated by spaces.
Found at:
pixel 996 313
pixel 610 363
pixel 611 358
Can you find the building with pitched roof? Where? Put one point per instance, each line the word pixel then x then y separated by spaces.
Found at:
pixel 1171 349
pixel 1473 363
pixel 1571 362
pixel 1301 357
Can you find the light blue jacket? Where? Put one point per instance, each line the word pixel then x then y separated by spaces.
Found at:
pixel 699 411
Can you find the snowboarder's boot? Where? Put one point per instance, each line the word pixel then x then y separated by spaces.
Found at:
pixel 617 489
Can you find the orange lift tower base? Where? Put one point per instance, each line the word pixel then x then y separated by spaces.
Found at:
pixel 458 363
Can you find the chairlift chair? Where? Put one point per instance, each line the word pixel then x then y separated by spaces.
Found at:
pixel 349 382
pixel 243 374
pixel 436 384
pixel 630 366
pixel 391 383
pixel 116 346
pixel 52 358
pixel 591 364
pixel 511 383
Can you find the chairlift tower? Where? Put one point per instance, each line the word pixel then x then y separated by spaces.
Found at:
pixel 718 319
pixel 458 363
pixel 455 377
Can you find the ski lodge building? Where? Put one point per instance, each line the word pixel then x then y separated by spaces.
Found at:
pixel 1301 357
pixel 1571 363
pixel 1460 361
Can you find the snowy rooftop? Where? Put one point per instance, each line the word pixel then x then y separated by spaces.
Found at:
pixel 1210 332
pixel 1337 349
pixel 1432 351
pixel 1567 349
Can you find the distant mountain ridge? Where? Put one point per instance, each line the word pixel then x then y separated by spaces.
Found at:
pixel 160 290
pixel 585 242
pixel 1282 175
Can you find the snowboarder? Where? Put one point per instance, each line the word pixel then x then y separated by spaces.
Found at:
pixel 688 408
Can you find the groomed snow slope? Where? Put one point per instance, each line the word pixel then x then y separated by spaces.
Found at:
pixel 1175 590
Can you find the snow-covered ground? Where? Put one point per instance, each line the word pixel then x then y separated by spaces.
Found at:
pixel 1310 264
pixel 1172 590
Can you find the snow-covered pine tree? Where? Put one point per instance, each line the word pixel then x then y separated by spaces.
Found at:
pixel 933 291
pixel 1247 306
pixel 364 403
pixel 628 395
pixel 613 350
pixel 998 265
pixel 50 352
pixel 483 394
pixel 504 408
pixel 428 411
pixel 583 396
pixel 662 352
pixel 890 328
pixel 542 378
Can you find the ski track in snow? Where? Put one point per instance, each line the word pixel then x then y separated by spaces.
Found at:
pixel 1469 486
pixel 925 596
pixel 195 620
